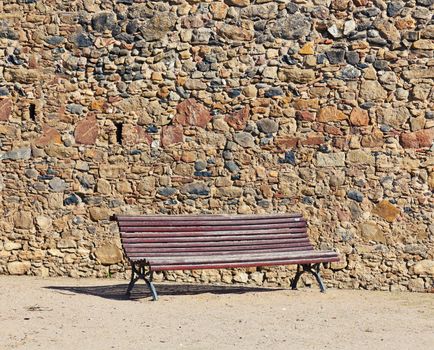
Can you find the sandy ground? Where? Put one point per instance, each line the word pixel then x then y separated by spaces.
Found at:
pixel 93 314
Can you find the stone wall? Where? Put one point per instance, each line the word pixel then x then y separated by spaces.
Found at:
pixel 319 106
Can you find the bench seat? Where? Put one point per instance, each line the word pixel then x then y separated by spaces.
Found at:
pixel 186 242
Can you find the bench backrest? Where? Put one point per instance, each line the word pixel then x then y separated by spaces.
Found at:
pixel 158 235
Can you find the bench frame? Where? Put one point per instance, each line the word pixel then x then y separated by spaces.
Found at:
pixel 141 269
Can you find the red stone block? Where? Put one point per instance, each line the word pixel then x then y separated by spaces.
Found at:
pixel 238 119
pixel 417 139
pixel 87 131
pixel 190 112
pixel 50 135
pixel 134 134
pixel 5 108
pixel 305 116
pixel 286 142
pixel 171 134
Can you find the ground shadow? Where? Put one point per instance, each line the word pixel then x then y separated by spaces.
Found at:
pixel 117 291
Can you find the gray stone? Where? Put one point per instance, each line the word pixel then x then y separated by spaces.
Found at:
pixel 394 8
pixel 104 21
pixel 57 184
pixel 157 27
pixel 330 159
pixel 267 125
pixel 335 56
pixel 167 191
pixel 355 195
pixel 24 153
pixel 349 72
pixel 232 166
pixel 196 188
pixel 290 27
pixel 74 108
pixel 244 139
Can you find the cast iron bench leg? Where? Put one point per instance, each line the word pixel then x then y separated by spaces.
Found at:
pixel 133 280
pixel 314 270
pixel 140 273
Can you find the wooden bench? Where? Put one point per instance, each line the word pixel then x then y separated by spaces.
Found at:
pixel 185 242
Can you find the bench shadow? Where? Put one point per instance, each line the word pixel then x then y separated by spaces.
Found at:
pixel 140 291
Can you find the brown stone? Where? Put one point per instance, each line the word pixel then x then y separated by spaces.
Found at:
pixel 23 220
pixel 190 112
pixel 374 139
pixel 134 134
pixel 286 142
pixel 307 49
pixel 86 131
pixel 19 267
pixel 239 3
pixel 431 181
pixel 238 119
pixel 424 267
pixel 313 140
pixel 5 109
pixel 99 213
pixel 236 33
pixel 49 136
pixel 370 231
pixel 171 134
pixel 360 2
pixel 296 75
pixel 359 117
pixel 109 254
pixel 340 5
pixel 386 210
pixel 371 90
pixel 218 10
pixel 305 116
pixel 417 139
pixel 306 104
pixel 330 114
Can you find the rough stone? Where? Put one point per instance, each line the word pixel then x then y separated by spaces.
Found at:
pixel 23 220
pixel 370 231
pixel 330 114
pixel 359 117
pixel 386 210
pixel 5 109
pixel 171 135
pixel 190 112
pixel 268 125
pixel 417 139
pixel 86 131
pixel 424 267
pixel 157 27
pixel 291 27
pixel 330 159
pixel 238 119
pixel 244 139
pixel 297 75
pixel 108 254
pixel 371 90
pixel 99 213
pixel 19 267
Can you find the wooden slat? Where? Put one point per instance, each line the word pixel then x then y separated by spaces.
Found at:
pixel 206 217
pixel 210 228
pixel 240 264
pixel 211 233
pixel 169 239
pixel 238 257
pixel 164 250
pixel 142 254
pixel 226 243
pixel 177 223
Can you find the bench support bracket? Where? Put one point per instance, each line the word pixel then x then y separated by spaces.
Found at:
pixel 139 272
pixel 314 270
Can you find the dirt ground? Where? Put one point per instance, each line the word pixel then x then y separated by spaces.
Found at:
pixel 58 313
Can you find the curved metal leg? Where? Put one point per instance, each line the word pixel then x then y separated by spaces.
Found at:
pixel 141 273
pixel 314 270
pixel 133 280
pixel 151 286
pixel 297 277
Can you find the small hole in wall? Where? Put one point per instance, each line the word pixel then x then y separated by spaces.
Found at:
pixel 119 127
pixel 32 111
